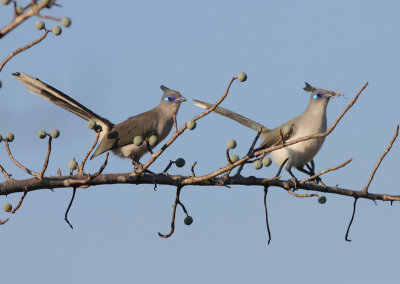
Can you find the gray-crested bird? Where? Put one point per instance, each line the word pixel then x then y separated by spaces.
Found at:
pixel 116 137
pixel 311 121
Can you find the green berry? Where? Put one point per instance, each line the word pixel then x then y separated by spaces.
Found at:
pixel 5 2
pixel 266 162
pixel 42 134
pixel 242 77
pixel 152 140
pixel 19 10
pixel 10 137
pixel 234 158
pixel 191 124
pixel 231 144
pixel 39 25
pixel 257 164
pixel 72 165
pixel 66 22
pixel 56 30
pixel 55 133
pixel 322 199
pixel 7 207
pixel 188 220
pixel 91 124
pixel 138 140
pixel 180 162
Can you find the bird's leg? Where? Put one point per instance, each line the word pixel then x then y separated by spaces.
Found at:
pixel 281 167
pixel 311 171
pixel 295 181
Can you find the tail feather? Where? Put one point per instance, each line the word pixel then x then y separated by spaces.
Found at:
pixel 57 97
pixel 233 115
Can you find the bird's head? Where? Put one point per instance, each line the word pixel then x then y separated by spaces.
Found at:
pixel 320 96
pixel 171 99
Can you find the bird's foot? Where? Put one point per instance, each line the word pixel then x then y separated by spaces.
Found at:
pixel 296 183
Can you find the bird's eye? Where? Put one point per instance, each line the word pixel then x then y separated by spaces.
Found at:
pixel 318 95
pixel 169 98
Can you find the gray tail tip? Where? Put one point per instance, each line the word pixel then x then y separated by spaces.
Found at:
pixel 16 74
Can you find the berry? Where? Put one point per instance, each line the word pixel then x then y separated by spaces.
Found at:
pixel 66 22
pixel 55 133
pixel 138 140
pixel 10 137
pixel 7 207
pixel 180 162
pixel 98 128
pixel 19 10
pixel 92 124
pixel 266 162
pixel 231 144
pixel 39 25
pixel 257 164
pixel 188 220
pixel 322 199
pixel 72 165
pixel 152 140
pixel 5 2
pixel 234 158
pixel 242 77
pixel 56 30
pixel 42 134
pixel 191 124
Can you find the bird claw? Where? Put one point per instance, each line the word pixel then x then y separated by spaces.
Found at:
pixel 296 183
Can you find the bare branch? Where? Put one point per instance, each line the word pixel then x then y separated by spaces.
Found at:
pixel 351 220
pixel 266 213
pixel 381 158
pixel 23 48
pixel 90 150
pixel 17 163
pixel 20 202
pixel 46 161
pixel 177 201
pixel 326 171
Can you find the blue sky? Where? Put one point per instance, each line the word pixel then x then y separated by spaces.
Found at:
pixel 113 59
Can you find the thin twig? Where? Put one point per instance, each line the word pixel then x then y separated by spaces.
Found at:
pixel 178 192
pixel 90 151
pixel 23 48
pixel 351 220
pixel 381 158
pixel 266 213
pixel 4 221
pixel 20 202
pixel 251 149
pixel 301 195
pixel 167 167
pixel 103 166
pixel 34 10
pixel 69 207
pixel 46 160
pixel 6 175
pixel 17 163
pixel 326 171
pixel 49 17
pixel 193 173
pixel 175 123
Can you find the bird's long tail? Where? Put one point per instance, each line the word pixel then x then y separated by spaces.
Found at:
pixel 57 97
pixel 233 115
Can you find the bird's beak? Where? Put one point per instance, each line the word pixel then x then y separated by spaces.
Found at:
pixel 182 99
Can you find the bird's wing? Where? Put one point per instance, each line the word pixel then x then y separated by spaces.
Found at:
pixel 57 97
pixel 288 130
pixel 145 125
pixel 233 115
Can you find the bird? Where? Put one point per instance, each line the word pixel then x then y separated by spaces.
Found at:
pixel 311 121
pixel 116 137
